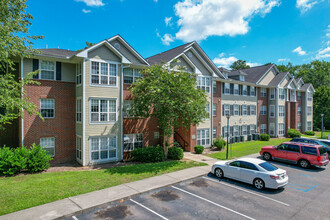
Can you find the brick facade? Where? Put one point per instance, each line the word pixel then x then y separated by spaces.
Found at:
pixel 262 119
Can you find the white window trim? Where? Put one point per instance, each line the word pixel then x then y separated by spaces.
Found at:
pixel 79 136
pixel 225 93
pixel 237 110
pixel 214 129
pixel 54 108
pixel 270 107
pixel 246 113
pixel 236 85
pixel 214 109
pixel 79 98
pixel 90 111
pixel 226 110
pixel 81 74
pixel 263 112
pixel 103 61
pixel 134 141
pixel 255 109
pixel 252 88
pixel 90 148
pixel 280 113
pixel 309 113
pixel 263 94
pixel 209 138
pixel 244 86
pixel 270 94
pixel 280 130
pixel 263 127
pixel 39 73
pixel 48 147
pixel 272 125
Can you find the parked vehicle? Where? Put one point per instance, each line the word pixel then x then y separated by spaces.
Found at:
pixel 253 171
pixel 299 153
pixel 324 143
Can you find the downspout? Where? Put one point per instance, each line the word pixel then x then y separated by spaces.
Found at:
pixel 22 90
pixel 121 111
pixel 84 113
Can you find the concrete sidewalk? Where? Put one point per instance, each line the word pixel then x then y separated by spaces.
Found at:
pixel 78 203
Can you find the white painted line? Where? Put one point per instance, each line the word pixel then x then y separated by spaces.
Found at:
pixel 265 197
pixel 75 218
pixel 238 213
pixel 149 209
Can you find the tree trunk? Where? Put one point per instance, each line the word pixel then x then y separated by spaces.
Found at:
pixel 165 145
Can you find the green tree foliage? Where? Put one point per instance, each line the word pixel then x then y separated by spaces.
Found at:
pixel 288 68
pixel 88 44
pixel 239 64
pixel 15 43
pixel 169 96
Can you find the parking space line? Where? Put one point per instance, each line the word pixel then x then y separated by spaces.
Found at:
pixel 265 197
pixel 75 218
pixel 149 209
pixel 213 203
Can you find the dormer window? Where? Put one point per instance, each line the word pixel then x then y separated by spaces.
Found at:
pixel 241 78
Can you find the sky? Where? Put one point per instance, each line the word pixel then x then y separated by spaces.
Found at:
pixel 258 31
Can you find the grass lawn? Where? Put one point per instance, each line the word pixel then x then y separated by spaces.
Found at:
pixel 318 135
pixel 246 148
pixel 21 192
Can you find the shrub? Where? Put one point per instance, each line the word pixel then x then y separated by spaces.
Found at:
pixel 219 143
pixel 199 149
pixel 148 154
pixel 292 133
pixel 311 133
pixel 264 137
pixel 12 161
pixel 37 159
pixel 175 153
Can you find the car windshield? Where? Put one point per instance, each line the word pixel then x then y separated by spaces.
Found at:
pixel 322 150
pixel 327 143
pixel 320 143
pixel 268 166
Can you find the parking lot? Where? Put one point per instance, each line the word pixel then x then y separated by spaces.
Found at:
pixel 207 197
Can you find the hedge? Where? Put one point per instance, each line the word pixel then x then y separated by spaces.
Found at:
pixel 311 133
pixel 199 149
pixel 264 137
pixel 219 143
pixel 292 133
pixel 148 154
pixel 175 153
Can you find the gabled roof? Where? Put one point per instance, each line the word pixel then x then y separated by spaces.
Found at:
pixel 278 79
pixel 306 86
pixel 237 73
pixel 59 53
pixel 254 74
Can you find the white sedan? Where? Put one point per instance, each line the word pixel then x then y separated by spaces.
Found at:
pixel 253 171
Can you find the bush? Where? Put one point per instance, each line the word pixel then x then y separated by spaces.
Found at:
pixel 199 149
pixel 311 133
pixel 38 159
pixel 292 133
pixel 148 154
pixel 12 161
pixel 264 137
pixel 175 153
pixel 219 143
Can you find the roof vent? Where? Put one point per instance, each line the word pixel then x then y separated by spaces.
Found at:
pixel 117 46
pixel 190 55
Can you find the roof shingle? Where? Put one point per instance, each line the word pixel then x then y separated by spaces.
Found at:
pixel 60 53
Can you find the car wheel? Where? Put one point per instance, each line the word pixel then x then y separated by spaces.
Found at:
pixel 304 163
pixel 218 172
pixel 259 184
pixel 267 156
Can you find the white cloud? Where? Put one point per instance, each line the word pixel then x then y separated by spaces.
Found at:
pixel 168 21
pixel 86 11
pixel 324 52
pixel 167 39
pixel 156 1
pixel 283 60
pixel 96 3
pixel 199 19
pixel 299 51
pixel 224 61
pixel 253 64
pixel 305 5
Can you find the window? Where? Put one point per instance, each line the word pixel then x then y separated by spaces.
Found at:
pixel 235 164
pixel 281 94
pixel 249 166
pixel 236 110
pixel 78 110
pixel 244 90
pixel 299 125
pixel 309 110
pixel 103 110
pixel 263 92
pixel 127 108
pixel 263 110
pixel 272 94
pixel 214 132
pixel 78 147
pixel 133 141
pixel 131 75
pixel 299 110
pixel 282 147
pixel 104 74
pixel 292 95
pixel 298 95
pixel 309 96
pixel 281 111
pixel 49 145
pixel 268 166
pixel 79 74
pixel 225 131
pixel 156 135
pixel 103 148
pixel 244 109
pixel 208 110
pixel 252 129
pixel 47 70
pixel 272 129
pixel 272 111
pixel 214 109
pixel 281 130
pixel 214 85
pixel 309 126
pixel 309 150
pixel 236 131
pixel 263 129
pixel 252 110
pixel 47 108
pixel 244 130
pixel 293 148
pixel 203 137
pixel 226 109
pixel 227 89
pixel 252 91
pixel 203 82
pixel 236 91
pixel 241 78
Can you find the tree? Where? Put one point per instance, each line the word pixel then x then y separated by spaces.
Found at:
pixel 322 106
pixel 239 64
pixel 169 96
pixel 15 43
pixel 88 44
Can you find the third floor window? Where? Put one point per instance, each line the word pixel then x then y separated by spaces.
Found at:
pixel 203 82
pixel 131 75
pixel 104 74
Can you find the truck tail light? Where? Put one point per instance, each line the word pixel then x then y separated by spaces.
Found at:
pixel 319 158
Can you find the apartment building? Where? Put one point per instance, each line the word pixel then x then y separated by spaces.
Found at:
pixel 84 99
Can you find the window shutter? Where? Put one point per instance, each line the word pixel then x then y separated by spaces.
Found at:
pixel 223 131
pixel 35 67
pixel 240 89
pixel 58 71
pixel 248 110
pixel 248 90
pixel 248 129
pixel 223 110
pixel 223 88
pixel 231 110
pixel 240 109
pixel 231 88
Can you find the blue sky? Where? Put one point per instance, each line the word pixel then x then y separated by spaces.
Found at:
pixel 258 31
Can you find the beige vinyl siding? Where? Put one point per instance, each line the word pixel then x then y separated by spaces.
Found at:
pixel 284 82
pixel 211 65
pixel 269 77
pixel 127 53
pixel 180 62
pixel 198 64
pixel 68 72
pixel 104 53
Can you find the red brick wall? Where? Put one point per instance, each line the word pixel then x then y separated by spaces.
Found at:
pixel 262 119
pixel 62 127
pixel 294 115
pixel 287 116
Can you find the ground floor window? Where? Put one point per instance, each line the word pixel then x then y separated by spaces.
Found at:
pixel 236 131
pixel 272 129
pixel 203 137
pixel 214 132
pixel 309 126
pixel 281 130
pixel 48 144
pixel 244 130
pixel 78 147
pixel 263 129
pixel 299 125
pixel 133 141
pixel 103 148
pixel 252 129
pixel 225 131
